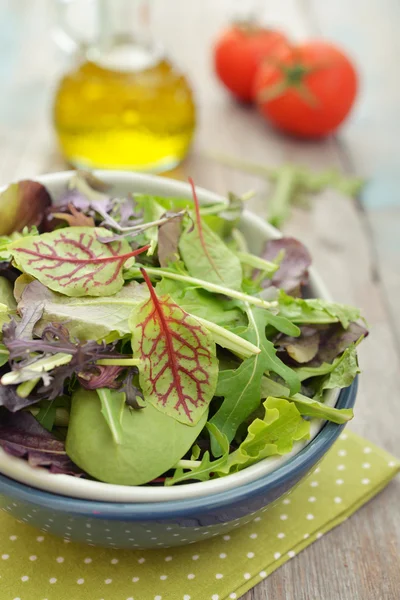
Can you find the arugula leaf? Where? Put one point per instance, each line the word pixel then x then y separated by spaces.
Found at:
pixel 316 310
pixel 47 413
pixel 281 426
pixel 89 318
pixel 241 388
pixel 72 260
pixel 23 204
pixel 151 441
pixel 178 366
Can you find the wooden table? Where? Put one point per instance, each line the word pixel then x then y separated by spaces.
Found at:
pixel 356 244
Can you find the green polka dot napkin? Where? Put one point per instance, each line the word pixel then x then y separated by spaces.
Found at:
pixel 42 567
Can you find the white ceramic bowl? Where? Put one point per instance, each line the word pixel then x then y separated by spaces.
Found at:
pixel 256 232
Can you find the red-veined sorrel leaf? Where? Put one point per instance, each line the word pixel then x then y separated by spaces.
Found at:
pixel 73 261
pixel 23 204
pixel 179 368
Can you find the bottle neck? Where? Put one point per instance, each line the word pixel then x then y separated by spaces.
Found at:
pixel 124 41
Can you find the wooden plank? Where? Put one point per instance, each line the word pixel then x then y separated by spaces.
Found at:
pixel 338 239
pixel 371 139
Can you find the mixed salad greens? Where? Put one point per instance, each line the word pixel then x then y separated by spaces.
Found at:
pixel 142 343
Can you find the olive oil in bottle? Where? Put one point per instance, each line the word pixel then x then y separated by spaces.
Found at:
pixel 124 105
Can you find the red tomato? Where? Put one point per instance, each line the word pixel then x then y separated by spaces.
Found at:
pixel 309 91
pixel 239 52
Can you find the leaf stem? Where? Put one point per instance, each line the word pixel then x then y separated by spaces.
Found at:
pixel 25 388
pixel 40 366
pixel 266 266
pixel 225 338
pixel 119 362
pixel 141 226
pixel 211 287
pixel 187 464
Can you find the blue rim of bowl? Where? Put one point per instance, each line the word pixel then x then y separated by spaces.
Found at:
pixel 160 511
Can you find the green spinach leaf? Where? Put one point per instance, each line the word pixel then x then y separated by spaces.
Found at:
pixel 151 441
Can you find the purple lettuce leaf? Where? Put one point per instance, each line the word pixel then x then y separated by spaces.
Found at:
pixel 169 234
pixel 55 339
pixel 10 399
pixel 23 204
pixel 8 271
pixel 100 377
pixel 132 391
pixel 74 217
pixel 22 436
pixel 301 349
pixel 317 344
pixel 334 340
pixel 293 269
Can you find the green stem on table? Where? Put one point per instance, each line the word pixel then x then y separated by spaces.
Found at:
pixel 279 202
pixel 211 287
pixel 243 165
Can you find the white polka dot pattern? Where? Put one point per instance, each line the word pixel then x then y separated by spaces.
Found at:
pixel 225 566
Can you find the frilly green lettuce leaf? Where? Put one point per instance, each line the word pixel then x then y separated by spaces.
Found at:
pixel 275 434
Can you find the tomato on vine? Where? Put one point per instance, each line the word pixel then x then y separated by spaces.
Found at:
pixel 308 91
pixel 238 53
